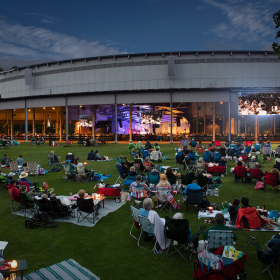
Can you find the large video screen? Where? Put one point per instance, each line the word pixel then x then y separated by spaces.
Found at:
pixel 259 104
pixel 85 121
pixel 151 117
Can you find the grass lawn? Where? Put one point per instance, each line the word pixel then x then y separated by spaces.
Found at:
pixel 107 249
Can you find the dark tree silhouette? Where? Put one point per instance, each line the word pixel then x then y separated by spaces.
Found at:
pixel 276 46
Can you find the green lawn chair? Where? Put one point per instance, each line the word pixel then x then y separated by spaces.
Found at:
pixel 260 160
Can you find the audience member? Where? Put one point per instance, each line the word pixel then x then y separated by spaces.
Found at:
pixel 19 161
pixel 55 157
pixel 164 183
pixel 91 155
pixel 13 190
pixel 169 173
pixel 191 155
pixel 96 203
pixel 192 186
pixel 233 210
pixel 148 145
pixel 132 172
pixel 193 143
pixel 239 171
pixel 4 160
pixel 201 166
pixel 138 185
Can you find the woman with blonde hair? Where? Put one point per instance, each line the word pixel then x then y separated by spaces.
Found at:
pixel 163 182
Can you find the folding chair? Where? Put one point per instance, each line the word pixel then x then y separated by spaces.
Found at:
pixel 147 165
pixel 270 182
pixel 67 174
pixel 185 143
pixel 267 151
pixel 218 238
pixel 190 165
pixel 231 152
pixel 146 226
pixel 14 168
pixel 24 205
pixel 3 245
pixel 161 199
pixel 186 180
pixel 239 175
pixel 260 160
pixel 193 198
pixel 81 174
pixel 85 208
pixel 257 147
pixel 14 205
pixel 110 192
pixel 137 201
pixel 199 149
pixel 153 178
pixel 178 230
pixel 135 215
pixel 121 177
pixel 57 210
pixel 217 143
pixel 249 143
pixel 51 161
pixel 202 182
pixel 32 168
pixel 43 205
pixel 255 174
pixel 172 181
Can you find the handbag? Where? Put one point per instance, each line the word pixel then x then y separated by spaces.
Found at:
pixel 259 185
pixel 209 260
pixel 274 214
pixel 231 253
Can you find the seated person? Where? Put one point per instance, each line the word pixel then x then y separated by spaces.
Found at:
pixel 261 142
pixel 80 141
pixel 138 185
pixel 146 153
pixel 191 155
pixel 19 161
pixel 239 171
pixel 164 183
pixel 55 157
pixel 9 161
pixel 222 162
pixel 154 218
pixel 4 160
pixel 148 145
pixel 206 155
pixel 91 155
pixel 97 156
pixel 277 172
pixel 23 177
pixel 191 175
pixel 233 210
pixel 193 143
pixel 258 166
pixel 223 150
pixel 199 145
pixel 12 188
pixel 130 146
pixel 268 143
pixel 227 143
pixel 248 149
pixel 96 203
pixel 257 146
pixel 243 162
pixel 248 216
pixel 277 164
pixel 277 150
pixel 232 145
pixel 201 165
pixel 71 157
pixel 29 197
pixel 157 145
pixel 216 157
pixel 149 160
pixel 192 186
pixel 92 141
pixel 133 152
pixel 253 152
pixel 220 225
pixel 169 173
pixel 71 166
pixel 132 172
pixel 156 154
pixel 186 151
pixel 87 142
pixel 179 154
pixel 81 166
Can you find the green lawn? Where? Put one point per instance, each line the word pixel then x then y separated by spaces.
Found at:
pixel 107 249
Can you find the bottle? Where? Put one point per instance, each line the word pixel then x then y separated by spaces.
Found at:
pixel 223 208
pixel 264 206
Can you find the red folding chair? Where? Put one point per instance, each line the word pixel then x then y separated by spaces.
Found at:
pixel 255 174
pixel 217 143
pixel 249 143
pixel 147 165
pixel 270 182
pixel 244 158
pixel 239 174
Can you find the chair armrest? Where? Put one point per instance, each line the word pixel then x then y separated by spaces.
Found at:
pixel 197 233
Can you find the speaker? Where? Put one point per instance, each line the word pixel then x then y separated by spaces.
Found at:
pixel 28 76
pixel 171 70
pixel 120 123
pixel 178 122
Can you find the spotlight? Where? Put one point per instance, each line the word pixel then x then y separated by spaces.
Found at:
pixel 53 108
pixel 44 108
pixel 221 102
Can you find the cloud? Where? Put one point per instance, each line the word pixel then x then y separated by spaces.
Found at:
pixel 43 17
pixel 247 23
pixel 30 42
pixel 213 46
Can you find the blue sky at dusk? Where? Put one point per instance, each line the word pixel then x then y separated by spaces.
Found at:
pixel 38 31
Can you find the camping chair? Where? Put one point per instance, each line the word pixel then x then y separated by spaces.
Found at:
pixel 257 147
pixel 4 144
pixel 57 210
pixel 193 198
pixel 267 151
pixel 270 182
pixel 135 215
pixel 186 180
pixel 153 178
pixel 85 208
pixel 190 165
pixel 269 258
pixel 255 174
pixel 121 174
pixel 202 182
pixel 24 205
pixel 14 167
pixel 178 230
pixel 67 174
pixel 260 160
pixel 147 165
pixel 239 175
pixel 81 174
pixel 14 205
pixel 43 205
pixel 218 238
pixel 41 141
pixel 161 199
pixel 249 143
pixel 32 168
pixel 137 201
pixel 33 141
pixel 244 158
pixel 252 164
pixel 231 152
pixel 51 161
pixel 146 226
pixel 199 149
pixel 185 143
pixel 217 143
pixel 172 181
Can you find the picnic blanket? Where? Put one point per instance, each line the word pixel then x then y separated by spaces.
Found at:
pixel 102 160
pixel 103 176
pixel 68 269
pixel 276 229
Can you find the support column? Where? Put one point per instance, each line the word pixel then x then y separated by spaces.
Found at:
pixel 238 126
pixel 251 126
pixel 204 123
pixel 7 114
pixel 196 129
pixel 256 128
pixel 271 125
pixel 26 123
pixel 223 118
pixel 214 121
pixel 93 122
pixel 56 126
pixel 116 123
pixel 12 123
pixel 44 124
pixel 274 124
pixel 245 124
pixel 229 122
pixel 66 121
pixel 130 121
pixel 33 122
pixel 171 116
pixel 60 127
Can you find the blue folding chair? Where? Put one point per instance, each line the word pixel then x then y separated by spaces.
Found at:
pixel 121 174
pixel 153 177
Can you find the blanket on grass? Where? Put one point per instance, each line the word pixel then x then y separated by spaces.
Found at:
pixel 68 269
pixel 277 229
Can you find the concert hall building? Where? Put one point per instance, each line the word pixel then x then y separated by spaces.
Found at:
pixel 189 93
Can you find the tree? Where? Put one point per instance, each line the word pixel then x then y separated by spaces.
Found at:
pixel 1 69
pixel 14 67
pixel 276 46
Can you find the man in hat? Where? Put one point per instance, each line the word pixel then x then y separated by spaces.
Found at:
pixel 71 166
pixel 23 178
pixel 55 157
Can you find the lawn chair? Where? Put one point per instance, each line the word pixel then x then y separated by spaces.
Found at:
pixel 85 208
pixel 121 177
pixel 4 144
pixel 33 141
pixel 51 161
pixel 25 206
pixel 41 141
pixel 260 160
pixel 153 178
pixel 147 165
pixel 239 175
pixel 81 174
pixel 257 147
pixel 202 182
pixel 14 168
pixel 161 199
pixel 218 238
pixel 270 182
pixel 43 205
pixel 116 192
pixel 193 198
pixel 186 180
pixel 185 143
pixel 67 143
pixel 135 215
pixel 32 168
pixel 146 226
pixel 217 143
pixel 172 181
pixel 249 143
pixel 57 210
pixel 14 205
pixel 267 151
pixel 255 174
pixel 178 230
pixel 67 173
pixel 231 152
pixel 190 165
